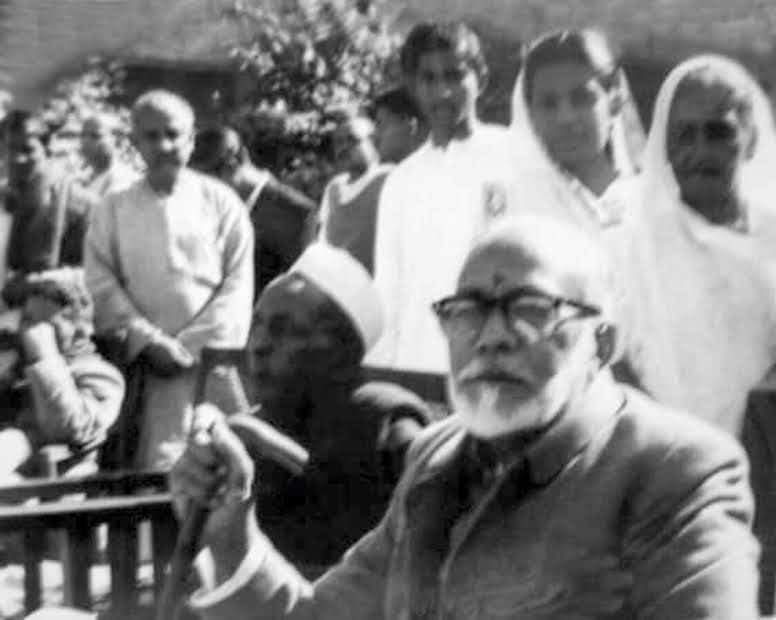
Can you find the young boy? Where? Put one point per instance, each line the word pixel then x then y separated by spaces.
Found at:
pixel 399 127
pixel 437 200
pixel 349 203
pixel 169 263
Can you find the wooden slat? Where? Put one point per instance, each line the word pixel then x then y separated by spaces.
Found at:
pixel 116 483
pixel 67 514
pixel 122 554
pixel 76 565
pixel 34 542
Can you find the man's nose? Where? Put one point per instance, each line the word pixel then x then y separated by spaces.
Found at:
pixel 496 335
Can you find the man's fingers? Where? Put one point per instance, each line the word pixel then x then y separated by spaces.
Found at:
pixel 232 452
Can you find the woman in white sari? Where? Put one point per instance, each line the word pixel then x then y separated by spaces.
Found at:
pixel 577 140
pixel 575 125
pixel 705 312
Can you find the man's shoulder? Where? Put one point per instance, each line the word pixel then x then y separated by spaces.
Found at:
pixel 671 443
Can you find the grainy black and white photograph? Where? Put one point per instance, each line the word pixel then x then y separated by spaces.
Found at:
pixel 387 309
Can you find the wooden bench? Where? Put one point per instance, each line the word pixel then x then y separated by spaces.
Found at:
pixel 134 498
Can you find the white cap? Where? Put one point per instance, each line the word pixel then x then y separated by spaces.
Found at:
pixel 349 285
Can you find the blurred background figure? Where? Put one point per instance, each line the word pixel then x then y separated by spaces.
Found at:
pixel 99 134
pixel 348 210
pixel 399 128
pixel 54 387
pixel 49 209
pixel 279 213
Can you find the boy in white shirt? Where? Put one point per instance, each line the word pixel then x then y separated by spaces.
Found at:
pixel 440 198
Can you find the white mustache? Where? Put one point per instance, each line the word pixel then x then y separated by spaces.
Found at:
pixel 477 369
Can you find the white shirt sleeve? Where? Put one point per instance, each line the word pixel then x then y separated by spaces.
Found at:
pixel 250 564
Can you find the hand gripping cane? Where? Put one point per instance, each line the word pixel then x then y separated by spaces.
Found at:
pixel 261 440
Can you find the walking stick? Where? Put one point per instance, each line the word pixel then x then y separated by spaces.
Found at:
pixel 261 440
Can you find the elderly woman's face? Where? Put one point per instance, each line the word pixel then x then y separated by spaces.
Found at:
pixel 515 368
pixel 706 142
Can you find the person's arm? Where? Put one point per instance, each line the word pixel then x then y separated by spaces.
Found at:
pixel 225 320
pixel 72 404
pixel 690 547
pixel 266 585
pixel 251 579
pixel 114 310
pixel 387 271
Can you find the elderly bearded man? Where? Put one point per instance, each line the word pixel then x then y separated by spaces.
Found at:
pixel 542 497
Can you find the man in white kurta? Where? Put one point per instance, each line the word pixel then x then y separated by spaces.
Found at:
pixel 439 199
pixel 174 270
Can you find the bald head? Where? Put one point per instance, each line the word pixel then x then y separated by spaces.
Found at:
pixel 164 102
pixel 563 257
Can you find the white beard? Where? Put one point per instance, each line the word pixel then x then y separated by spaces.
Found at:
pixel 485 411
pixel 488 410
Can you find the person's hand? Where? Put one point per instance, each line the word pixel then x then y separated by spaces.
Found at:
pixel 39 341
pixel 167 356
pixel 216 472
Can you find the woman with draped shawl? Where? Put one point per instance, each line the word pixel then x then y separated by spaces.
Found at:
pixel 577 140
pixel 698 255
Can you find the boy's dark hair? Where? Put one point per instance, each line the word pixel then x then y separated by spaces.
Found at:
pixel 397 101
pixel 585 46
pixel 454 36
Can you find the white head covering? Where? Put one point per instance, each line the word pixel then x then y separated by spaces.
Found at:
pixel 530 154
pixel 705 311
pixel 348 284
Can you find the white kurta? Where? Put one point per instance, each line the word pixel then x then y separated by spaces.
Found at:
pixel 432 207
pixel 182 264
pixel 117 177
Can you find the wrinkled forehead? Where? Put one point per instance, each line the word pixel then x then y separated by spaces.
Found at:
pixel 502 265
pixel 711 92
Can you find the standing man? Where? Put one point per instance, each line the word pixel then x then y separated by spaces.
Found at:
pixel 553 492
pixel 169 264
pixel 49 209
pixel 438 199
pixel 280 214
pixel 108 173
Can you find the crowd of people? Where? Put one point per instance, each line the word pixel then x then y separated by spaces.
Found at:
pixel 601 300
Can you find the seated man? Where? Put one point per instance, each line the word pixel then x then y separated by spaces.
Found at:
pixel 530 501
pixel 62 390
pixel 311 328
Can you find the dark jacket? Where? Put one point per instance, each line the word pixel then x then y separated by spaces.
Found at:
pixel 619 474
pixel 314 518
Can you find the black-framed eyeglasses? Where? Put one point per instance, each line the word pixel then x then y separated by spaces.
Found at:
pixel 465 314
pixel 715 131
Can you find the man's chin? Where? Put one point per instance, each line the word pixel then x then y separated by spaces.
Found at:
pixel 494 409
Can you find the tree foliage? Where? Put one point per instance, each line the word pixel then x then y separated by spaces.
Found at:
pixel 306 59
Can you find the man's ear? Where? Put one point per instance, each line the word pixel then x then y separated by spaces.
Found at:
pixel 606 343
